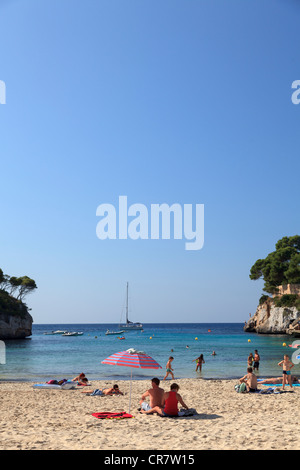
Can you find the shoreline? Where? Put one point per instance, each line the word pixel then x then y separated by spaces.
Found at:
pixel 142 379
pixel 47 419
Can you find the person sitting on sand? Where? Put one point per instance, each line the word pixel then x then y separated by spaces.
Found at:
pixel 169 406
pixel 79 377
pixel 250 380
pixel 83 382
pixel 286 372
pixel 155 395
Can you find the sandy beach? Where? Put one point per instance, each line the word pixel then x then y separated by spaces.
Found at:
pixel 34 419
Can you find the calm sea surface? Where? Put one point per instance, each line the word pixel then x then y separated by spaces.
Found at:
pixel 44 357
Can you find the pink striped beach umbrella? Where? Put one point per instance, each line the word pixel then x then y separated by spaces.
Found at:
pixel 133 359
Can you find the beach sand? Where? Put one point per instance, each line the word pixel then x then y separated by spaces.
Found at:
pixel 62 419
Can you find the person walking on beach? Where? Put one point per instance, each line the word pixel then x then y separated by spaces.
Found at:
pixel 169 368
pixel 286 365
pixel 155 394
pixel 170 403
pixel 256 360
pixel 199 361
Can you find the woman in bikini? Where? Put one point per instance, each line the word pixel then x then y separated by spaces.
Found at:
pixel 199 361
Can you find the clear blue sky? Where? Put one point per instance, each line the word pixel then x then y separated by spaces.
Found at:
pixel 163 101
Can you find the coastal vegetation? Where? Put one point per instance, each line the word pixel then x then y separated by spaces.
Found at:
pixel 280 267
pixel 278 311
pixel 13 291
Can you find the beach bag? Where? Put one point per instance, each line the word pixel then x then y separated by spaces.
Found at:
pixel 61 382
pixel 189 412
pixel 241 388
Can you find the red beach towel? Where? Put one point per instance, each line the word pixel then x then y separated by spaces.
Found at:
pixel 108 415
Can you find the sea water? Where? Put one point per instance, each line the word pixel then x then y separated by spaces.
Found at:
pixel 43 357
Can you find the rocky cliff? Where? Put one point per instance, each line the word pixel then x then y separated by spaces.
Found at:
pixel 15 326
pixel 270 319
pixel 15 320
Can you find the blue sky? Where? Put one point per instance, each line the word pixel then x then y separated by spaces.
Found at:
pixel 164 102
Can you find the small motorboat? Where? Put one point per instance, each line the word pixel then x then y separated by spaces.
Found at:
pixel 58 332
pixel 73 333
pixel 114 332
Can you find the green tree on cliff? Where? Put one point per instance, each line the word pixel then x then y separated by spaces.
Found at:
pixel 282 266
pixel 13 291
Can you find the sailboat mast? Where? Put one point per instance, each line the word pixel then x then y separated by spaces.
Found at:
pixel 127 305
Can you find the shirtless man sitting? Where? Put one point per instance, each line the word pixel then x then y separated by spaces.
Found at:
pixel 155 394
pixel 250 380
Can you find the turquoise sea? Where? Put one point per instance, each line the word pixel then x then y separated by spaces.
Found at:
pixel 42 357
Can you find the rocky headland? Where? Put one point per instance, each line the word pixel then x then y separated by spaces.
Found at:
pixel 277 315
pixel 15 319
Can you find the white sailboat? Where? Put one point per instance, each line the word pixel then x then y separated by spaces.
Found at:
pixel 130 326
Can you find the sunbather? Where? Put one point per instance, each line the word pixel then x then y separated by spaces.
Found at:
pixel 113 391
pixel 79 377
pixel 277 380
pixel 106 391
pixel 83 381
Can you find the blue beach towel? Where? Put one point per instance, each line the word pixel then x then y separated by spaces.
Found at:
pixel 274 385
pixel 279 385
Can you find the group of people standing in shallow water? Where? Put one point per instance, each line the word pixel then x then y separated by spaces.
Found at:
pixel 254 361
pixel 250 378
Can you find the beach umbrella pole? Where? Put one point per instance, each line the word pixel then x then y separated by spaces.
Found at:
pixel 132 358
pixel 130 391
